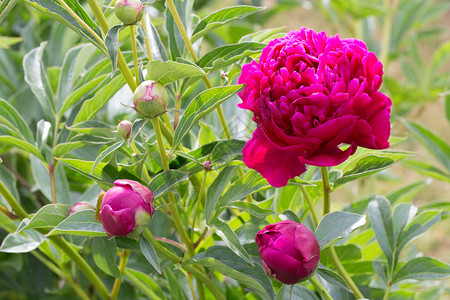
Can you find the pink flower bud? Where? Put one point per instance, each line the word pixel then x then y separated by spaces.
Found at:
pixel 289 251
pixel 129 11
pixel 150 99
pixel 126 209
pixel 79 206
pixel 124 129
pixel 207 165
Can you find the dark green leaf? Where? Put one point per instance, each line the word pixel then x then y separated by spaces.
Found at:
pixel 201 105
pixel 216 189
pixel 380 216
pixel 104 252
pixel 227 150
pixel 226 55
pixel 221 17
pixel 381 270
pixel 230 238
pixel 11 118
pixel 106 152
pixel 48 216
pixel 423 268
pixel 111 42
pixel 166 72
pixel 166 181
pixel 150 253
pixel 336 225
pixel 333 278
pixel 80 223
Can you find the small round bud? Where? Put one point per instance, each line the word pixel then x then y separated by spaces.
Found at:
pixel 207 165
pixel 124 129
pixel 129 11
pixel 150 99
pixel 79 206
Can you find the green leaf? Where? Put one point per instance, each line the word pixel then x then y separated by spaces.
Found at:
pixel 364 166
pixel 333 278
pixel 402 216
pixel 423 268
pixel 426 169
pixel 80 223
pixel 221 17
pixel 166 72
pixel 447 107
pixel 61 149
pixel 94 128
pixel 36 78
pixel 437 147
pixel 106 152
pixel 138 125
pixel 48 216
pixel 10 117
pixel 216 189
pixel 5 7
pixel 226 151
pixel 380 216
pixel 66 77
pixel 230 238
pixel 144 282
pixel 166 181
pixel 251 208
pixel 150 254
pixel 418 225
pixel 156 45
pixel 381 270
pixel 201 105
pixel 42 132
pixel 92 106
pixel 9 140
pixel 81 92
pixel 104 252
pixel 22 242
pixel 111 42
pixel 336 225
pixel 104 174
pixel 206 134
pixel 226 262
pixel 226 55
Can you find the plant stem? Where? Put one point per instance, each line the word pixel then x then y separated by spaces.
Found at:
pixel 319 287
pixel 16 207
pixel 8 213
pixel 51 170
pixel 121 63
pixel 310 205
pixel 82 264
pixel 199 199
pixel 173 243
pixel 173 205
pixel 145 22
pixel 135 56
pixel 122 265
pixel 326 190
pixel 187 41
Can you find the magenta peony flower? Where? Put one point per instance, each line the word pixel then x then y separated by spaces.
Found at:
pixel 310 94
pixel 289 251
pixel 126 208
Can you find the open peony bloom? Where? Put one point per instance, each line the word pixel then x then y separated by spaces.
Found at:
pixel 289 251
pixel 311 94
pixel 126 209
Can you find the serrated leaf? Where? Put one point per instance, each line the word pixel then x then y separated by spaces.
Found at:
pixel 106 152
pixel 230 238
pixel 111 43
pixel 223 260
pixel 22 242
pixel 48 216
pixel 423 268
pixel 201 105
pixel 80 223
pixel 223 56
pixel 149 253
pixel 166 181
pixel 166 72
pixel 336 225
pixel 104 252
pixel 251 208
pixel 380 216
pixel 221 17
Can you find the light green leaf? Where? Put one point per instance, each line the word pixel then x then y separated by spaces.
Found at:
pixel 221 17
pixel 9 140
pixel 336 225
pixel 5 7
pixel 426 169
pixel 402 216
pixel 380 216
pixel 156 45
pixel 48 216
pixel 94 128
pixel 201 105
pixel 216 189
pixel 104 252
pixel 423 268
pixel 166 72
pixel 333 278
pixel 144 282
pixel 80 223
pixel 226 55
pixel 230 238
pixel 418 225
pixel 166 181
pixel 11 118
pixel 251 208
pixel 22 242
pixel 150 253
pixel 106 152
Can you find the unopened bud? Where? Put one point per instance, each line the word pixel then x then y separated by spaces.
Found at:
pixel 129 11
pixel 207 165
pixel 79 206
pixel 150 99
pixel 124 129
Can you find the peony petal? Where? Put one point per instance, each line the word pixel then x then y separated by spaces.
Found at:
pixel 274 163
pixel 117 223
pixel 330 157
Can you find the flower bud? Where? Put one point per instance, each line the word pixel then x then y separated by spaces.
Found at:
pixel 289 251
pixel 207 165
pixel 129 11
pixel 124 129
pixel 79 206
pixel 126 209
pixel 150 99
